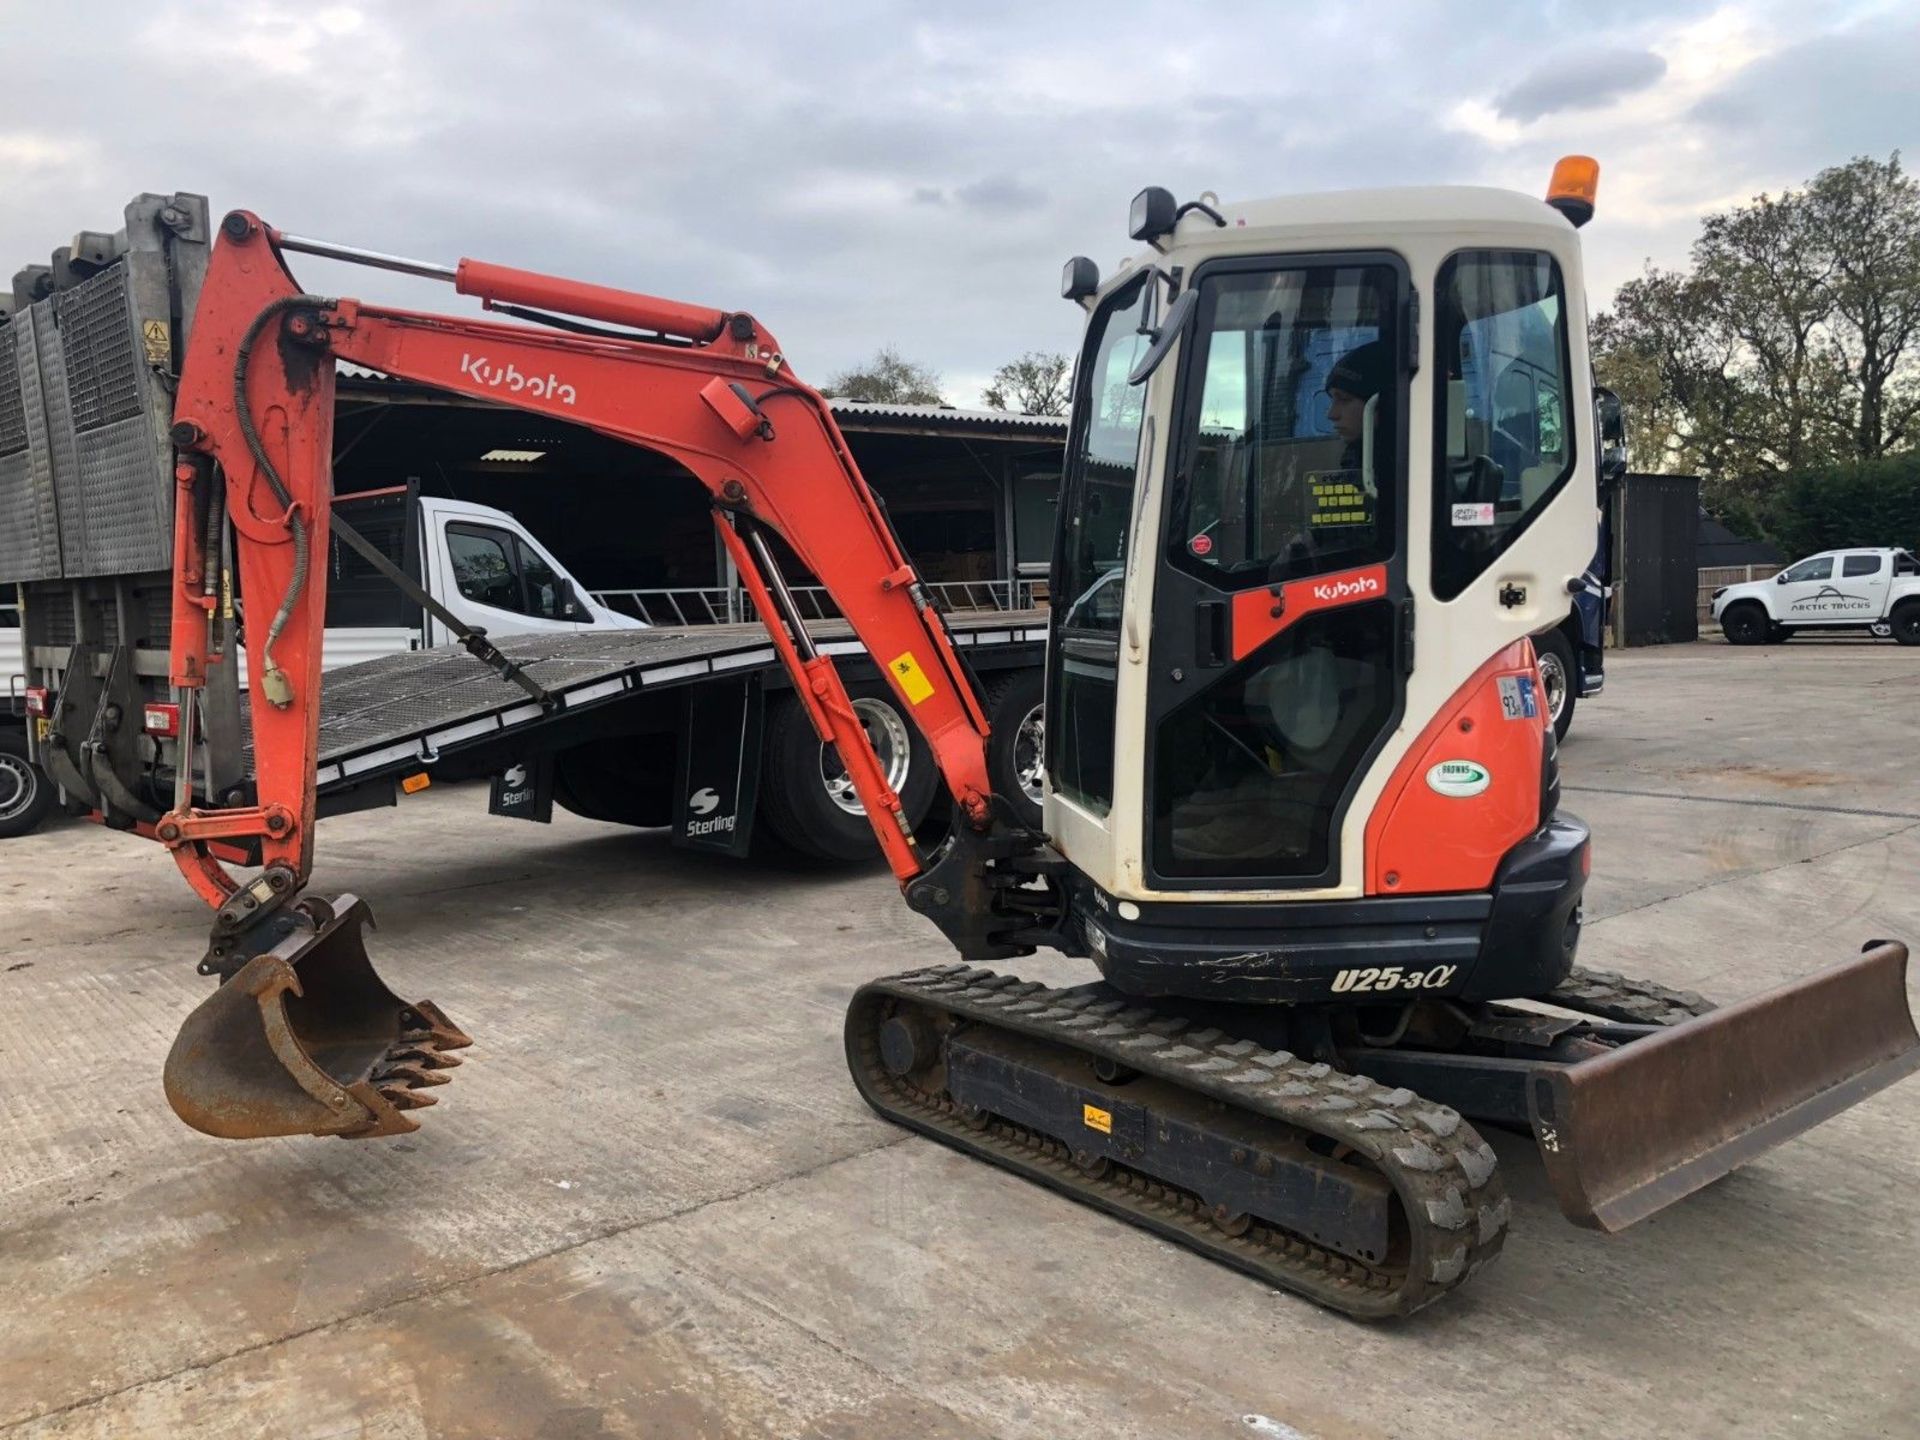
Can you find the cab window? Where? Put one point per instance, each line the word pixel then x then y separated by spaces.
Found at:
pixel 1290 454
pixel 1818 568
pixel 1860 565
pixel 483 566
pixel 546 592
pixel 495 567
pixel 1503 447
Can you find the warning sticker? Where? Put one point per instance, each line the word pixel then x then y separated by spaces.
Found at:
pixel 1338 498
pixel 1097 1119
pixel 155 340
pixel 1517 700
pixel 912 679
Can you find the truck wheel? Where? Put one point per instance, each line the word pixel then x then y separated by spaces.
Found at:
pixel 623 780
pixel 1015 752
pixel 806 798
pixel 1906 622
pixel 1746 624
pixel 26 795
pixel 1556 678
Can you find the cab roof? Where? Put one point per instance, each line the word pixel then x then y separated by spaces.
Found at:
pixel 1438 207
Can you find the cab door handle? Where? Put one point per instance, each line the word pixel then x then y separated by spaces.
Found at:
pixel 1210 633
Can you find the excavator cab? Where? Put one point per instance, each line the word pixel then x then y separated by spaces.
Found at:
pixel 1331 514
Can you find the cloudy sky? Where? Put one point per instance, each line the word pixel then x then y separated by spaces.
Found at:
pixel 865 172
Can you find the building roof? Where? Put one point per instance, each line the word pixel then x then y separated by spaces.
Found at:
pixel 944 420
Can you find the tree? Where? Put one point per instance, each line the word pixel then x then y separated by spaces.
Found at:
pixel 889 378
pixel 1790 341
pixel 1872 212
pixel 1038 383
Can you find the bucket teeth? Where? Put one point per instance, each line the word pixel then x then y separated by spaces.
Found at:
pixel 422 1056
pixel 401 1097
pixel 410 1075
pixel 426 1023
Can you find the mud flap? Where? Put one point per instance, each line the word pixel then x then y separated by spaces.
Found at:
pixel 1630 1132
pixel 306 1040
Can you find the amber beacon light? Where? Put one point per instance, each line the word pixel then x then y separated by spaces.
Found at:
pixel 1576 180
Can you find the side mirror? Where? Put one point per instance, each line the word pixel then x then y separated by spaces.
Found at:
pixel 1611 418
pixel 1164 335
pixel 1781 578
pixel 1610 421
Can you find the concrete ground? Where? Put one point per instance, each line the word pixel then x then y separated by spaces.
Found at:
pixel 652 1204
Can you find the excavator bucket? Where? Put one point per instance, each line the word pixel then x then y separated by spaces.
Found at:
pixel 305 1039
pixel 1627 1133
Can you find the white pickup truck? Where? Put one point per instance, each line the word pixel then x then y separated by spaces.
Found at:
pixel 1873 590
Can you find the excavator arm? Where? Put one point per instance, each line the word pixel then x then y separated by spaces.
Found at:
pixel 253 433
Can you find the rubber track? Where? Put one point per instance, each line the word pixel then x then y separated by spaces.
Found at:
pixel 1443 1172
pixel 1632 1002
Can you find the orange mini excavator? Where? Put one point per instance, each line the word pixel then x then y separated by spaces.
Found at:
pixel 1332 460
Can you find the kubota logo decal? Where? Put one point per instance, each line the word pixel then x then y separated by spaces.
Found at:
pixel 541 387
pixel 1329 591
pixel 1262 613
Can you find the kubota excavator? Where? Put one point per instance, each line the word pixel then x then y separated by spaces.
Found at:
pixel 1332 460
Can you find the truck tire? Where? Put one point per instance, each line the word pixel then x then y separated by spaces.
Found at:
pixel 1016 748
pixel 623 780
pixel 1746 624
pixel 806 799
pixel 26 795
pixel 1562 691
pixel 1906 622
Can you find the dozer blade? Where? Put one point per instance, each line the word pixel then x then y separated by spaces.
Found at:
pixel 1629 1132
pixel 306 1040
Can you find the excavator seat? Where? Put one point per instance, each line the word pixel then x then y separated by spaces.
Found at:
pixel 305 1039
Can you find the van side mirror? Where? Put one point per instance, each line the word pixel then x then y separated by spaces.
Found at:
pixel 1610 421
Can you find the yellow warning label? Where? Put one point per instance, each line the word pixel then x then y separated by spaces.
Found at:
pixel 1338 499
pixel 913 680
pixel 155 341
pixel 42 729
pixel 1097 1119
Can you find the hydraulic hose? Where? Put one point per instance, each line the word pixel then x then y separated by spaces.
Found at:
pixel 274 683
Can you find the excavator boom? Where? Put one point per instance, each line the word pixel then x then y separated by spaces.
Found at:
pixel 253 431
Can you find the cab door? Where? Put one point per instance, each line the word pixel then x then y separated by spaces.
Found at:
pixel 1279 652
pixel 1807 593
pixel 1865 578
pixel 492 575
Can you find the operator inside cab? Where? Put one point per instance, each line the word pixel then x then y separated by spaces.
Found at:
pixel 1364 373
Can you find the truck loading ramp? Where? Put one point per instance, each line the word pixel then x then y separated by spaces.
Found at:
pixel 397 712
